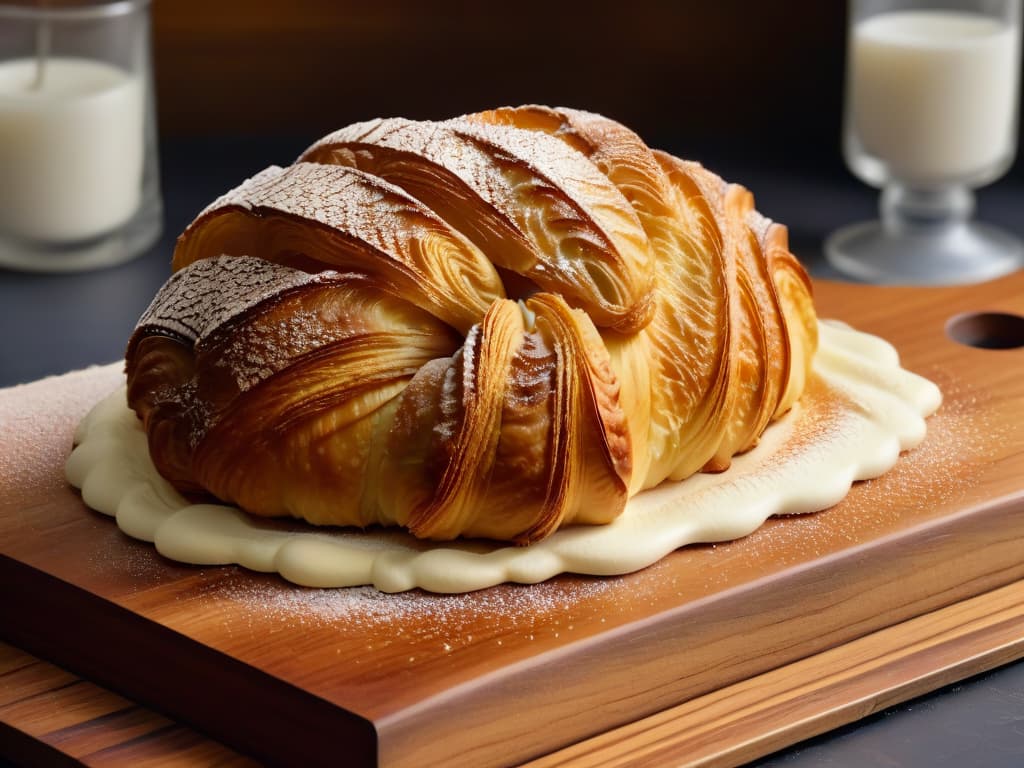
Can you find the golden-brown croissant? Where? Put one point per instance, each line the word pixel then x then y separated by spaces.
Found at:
pixel 492 326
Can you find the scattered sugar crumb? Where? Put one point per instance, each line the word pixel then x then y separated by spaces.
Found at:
pixel 444 622
pixel 38 424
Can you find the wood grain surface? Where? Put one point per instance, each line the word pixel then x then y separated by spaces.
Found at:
pixel 805 698
pixel 48 715
pixel 497 677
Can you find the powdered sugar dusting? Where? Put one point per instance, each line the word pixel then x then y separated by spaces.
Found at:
pixel 438 143
pixel 963 436
pixel 534 194
pixel 340 197
pixel 451 618
pixel 198 299
pixel 359 222
pixel 254 352
pixel 239 195
pixel 38 421
pixel 590 192
pixel 132 563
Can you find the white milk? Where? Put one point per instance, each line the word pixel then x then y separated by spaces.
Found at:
pixel 71 151
pixel 933 93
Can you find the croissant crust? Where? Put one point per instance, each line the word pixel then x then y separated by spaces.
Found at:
pixel 492 326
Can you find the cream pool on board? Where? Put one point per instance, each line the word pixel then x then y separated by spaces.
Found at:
pixel 860 411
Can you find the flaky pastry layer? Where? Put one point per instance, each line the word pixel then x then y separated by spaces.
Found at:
pixel 492 326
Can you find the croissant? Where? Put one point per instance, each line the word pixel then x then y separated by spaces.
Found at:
pixel 492 326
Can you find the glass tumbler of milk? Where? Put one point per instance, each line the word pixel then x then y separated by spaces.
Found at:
pixel 79 185
pixel 932 91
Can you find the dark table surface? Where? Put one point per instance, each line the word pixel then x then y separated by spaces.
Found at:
pixel 56 323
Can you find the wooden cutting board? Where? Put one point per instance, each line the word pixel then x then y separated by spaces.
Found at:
pixel 514 672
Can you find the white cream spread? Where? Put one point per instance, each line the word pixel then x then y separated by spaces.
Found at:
pixel 859 411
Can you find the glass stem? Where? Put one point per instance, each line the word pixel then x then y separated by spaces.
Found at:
pixel 906 209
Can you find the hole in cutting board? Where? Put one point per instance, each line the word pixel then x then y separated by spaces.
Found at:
pixel 987 330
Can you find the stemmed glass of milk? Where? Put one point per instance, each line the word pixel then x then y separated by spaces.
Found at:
pixel 931 113
pixel 78 157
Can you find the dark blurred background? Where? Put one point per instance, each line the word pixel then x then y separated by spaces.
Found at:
pixel 760 78
pixel 756 80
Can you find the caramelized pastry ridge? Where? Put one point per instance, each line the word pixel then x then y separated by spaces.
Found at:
pixel 493 326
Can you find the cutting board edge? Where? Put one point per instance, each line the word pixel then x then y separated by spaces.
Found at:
pixel 399 737
pixel 230 710
pixel 995 526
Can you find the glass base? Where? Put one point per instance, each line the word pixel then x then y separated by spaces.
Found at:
pixel 967 252
pixel 124 244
